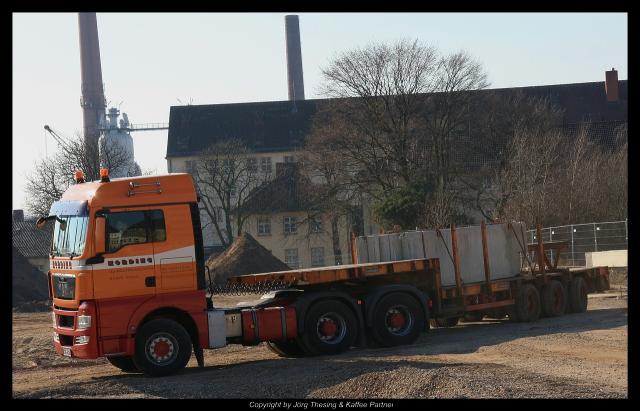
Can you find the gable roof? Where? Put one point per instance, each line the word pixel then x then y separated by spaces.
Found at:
pixel 282 194
pixel 283 125
pixel 30 241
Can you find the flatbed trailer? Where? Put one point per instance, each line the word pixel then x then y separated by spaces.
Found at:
pixel 127 281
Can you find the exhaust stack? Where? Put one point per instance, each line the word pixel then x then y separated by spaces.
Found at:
pixel 92 101
pixel 294 58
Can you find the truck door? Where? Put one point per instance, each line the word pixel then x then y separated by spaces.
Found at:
pixel 173 248
pixel 129 266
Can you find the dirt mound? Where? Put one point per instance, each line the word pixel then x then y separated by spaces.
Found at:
pixel 29 283
pixel 244 256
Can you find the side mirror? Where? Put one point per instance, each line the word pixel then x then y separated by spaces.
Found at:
pixel 99 235
pixel 41 222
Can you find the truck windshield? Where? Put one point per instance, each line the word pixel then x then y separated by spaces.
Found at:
pixel 70 242
pixel 69 237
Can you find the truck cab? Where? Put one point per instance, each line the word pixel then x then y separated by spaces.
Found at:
pixel 126 251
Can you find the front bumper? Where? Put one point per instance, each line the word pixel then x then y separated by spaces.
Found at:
pixel 66 323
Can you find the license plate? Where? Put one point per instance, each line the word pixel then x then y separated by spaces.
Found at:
pixel 66 351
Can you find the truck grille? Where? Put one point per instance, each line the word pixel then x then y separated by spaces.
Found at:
pixel 66 340
pixel 65 321
pixel 64 286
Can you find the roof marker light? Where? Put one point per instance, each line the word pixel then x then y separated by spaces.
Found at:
pixel 78 176
pixel 104 175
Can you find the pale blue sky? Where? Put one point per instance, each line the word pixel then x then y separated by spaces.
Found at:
pixel 149 60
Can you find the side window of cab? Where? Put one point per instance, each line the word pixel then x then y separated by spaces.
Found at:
pixel 134 227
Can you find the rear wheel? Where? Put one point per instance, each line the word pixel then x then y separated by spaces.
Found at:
pixel 163 347
pixel 330 327
pixel 554 299
pixel 602 283
pixel 125 364
pixel 527 307
pixel 286 348
pixel 398 319
pixel 578 295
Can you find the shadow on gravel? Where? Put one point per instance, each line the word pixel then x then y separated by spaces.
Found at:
pixel 357 368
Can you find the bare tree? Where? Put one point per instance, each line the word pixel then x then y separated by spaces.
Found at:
pixel 394 112
pixel 53 175
pixel 225 174
pixel 329 192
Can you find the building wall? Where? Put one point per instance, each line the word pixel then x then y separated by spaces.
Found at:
pixel 181 165
pixel 278 242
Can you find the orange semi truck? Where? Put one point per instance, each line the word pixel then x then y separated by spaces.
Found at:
pixel 128 282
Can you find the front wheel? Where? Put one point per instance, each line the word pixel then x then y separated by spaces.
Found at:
pixel 163 347
pixel 125 364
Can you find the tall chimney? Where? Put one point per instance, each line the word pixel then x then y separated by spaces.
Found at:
pixel 294 58
pixel 611 84
pixel 92 101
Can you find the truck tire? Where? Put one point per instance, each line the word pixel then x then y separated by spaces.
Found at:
pixel 447 322
pixel 125 364
pixel 287 349
pixel 398 319
pixel 527 307
pixel 554 299
pixel 578 295
pixel 602 283
pixel 473 317
pixel 163 347
pixel 330 327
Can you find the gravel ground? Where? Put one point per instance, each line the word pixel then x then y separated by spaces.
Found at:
pixel 574 356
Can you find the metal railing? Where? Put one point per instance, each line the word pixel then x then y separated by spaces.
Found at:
pixel 584 238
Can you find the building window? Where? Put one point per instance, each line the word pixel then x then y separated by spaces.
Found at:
pixel 265 165
pixel 316 225
pixel 190 166
pixel 317 257
pixel 290 225
pixel 252 164
pixel 264 226
pixel 288 159
pixel 291 257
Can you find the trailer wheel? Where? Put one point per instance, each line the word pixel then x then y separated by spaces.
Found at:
pixel 290 349
pixel 330 327
pixel 163 347
pixel 125 364
pixel 602 283
pixel 397 319
pixel 578 295
pixel 554 299
pixel 447 322
pixel 527 307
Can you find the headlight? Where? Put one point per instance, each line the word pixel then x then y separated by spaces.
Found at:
pixel 56 338
pixel 82 339
pixel 84 321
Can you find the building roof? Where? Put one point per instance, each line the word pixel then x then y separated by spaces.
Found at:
pixel 30 241
pixel 285 193
pixel 274 126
